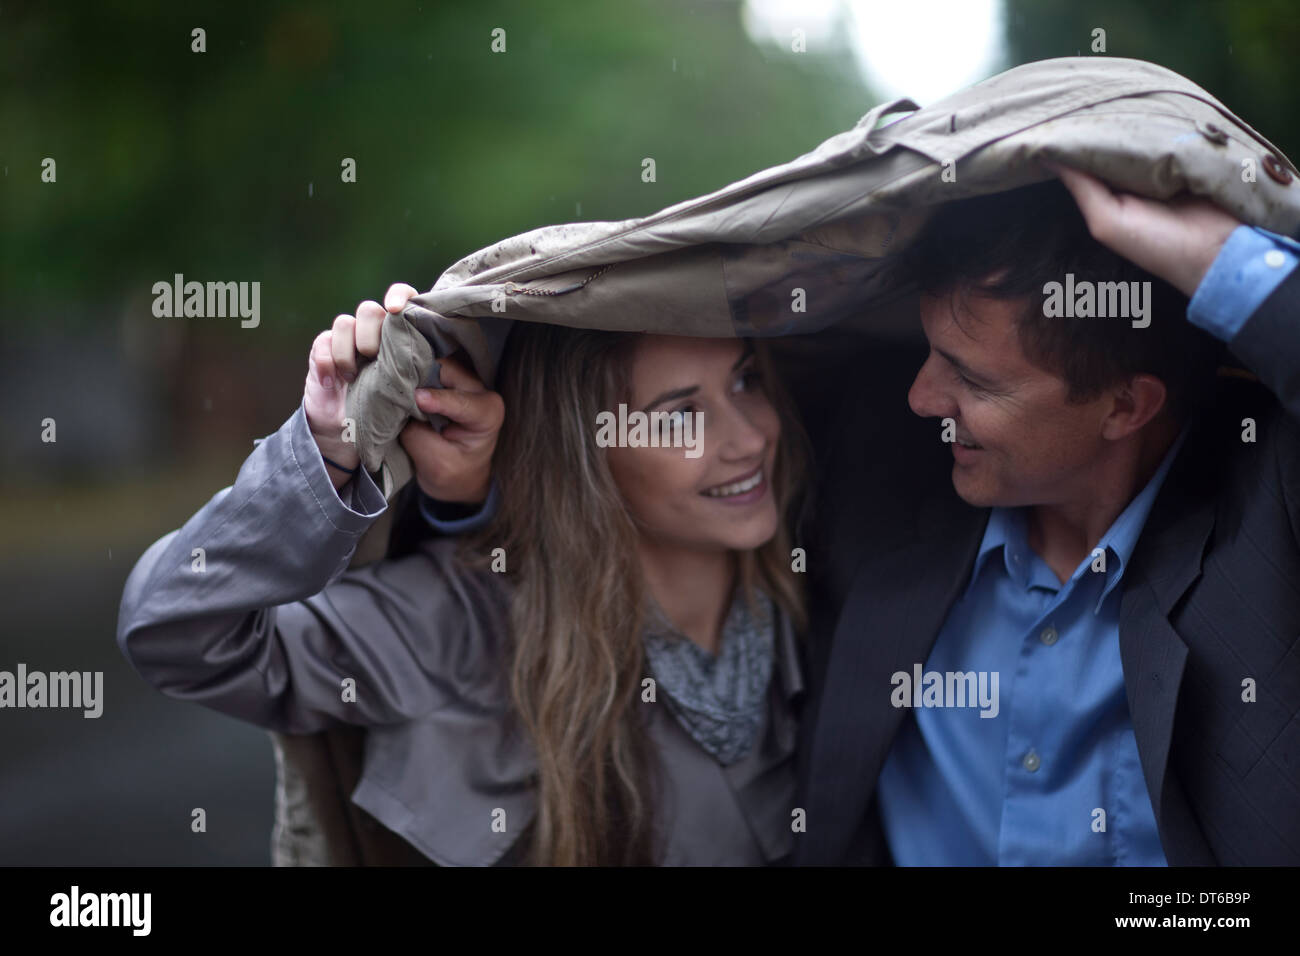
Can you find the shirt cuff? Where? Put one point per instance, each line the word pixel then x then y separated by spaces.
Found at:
pixel 1251 264
pixel 472 522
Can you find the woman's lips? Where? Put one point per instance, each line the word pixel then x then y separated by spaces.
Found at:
pixel 742 491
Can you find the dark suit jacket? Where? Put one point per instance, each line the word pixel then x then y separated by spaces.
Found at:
pixel 1211 598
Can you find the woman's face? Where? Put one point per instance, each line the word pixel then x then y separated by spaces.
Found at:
pixel 722 499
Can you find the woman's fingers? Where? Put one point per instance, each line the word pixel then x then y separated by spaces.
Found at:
pixel 453 374
pixel 396 296
pixel 343 347
pixel 321 365
pixel 478 413
pixel 370 320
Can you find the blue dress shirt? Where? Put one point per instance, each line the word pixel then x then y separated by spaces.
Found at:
pixel 1054 777
pixel 1251 264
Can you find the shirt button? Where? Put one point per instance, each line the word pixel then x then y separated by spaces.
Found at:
pixel 1048 636
pixel 1275 258
pixel 1031 761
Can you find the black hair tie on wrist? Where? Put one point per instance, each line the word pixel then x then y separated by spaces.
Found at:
pixel 350 471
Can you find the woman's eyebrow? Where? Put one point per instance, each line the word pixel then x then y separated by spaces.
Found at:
pixel 692 389
pixel 672 396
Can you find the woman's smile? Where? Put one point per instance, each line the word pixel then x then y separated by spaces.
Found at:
pixel 744 490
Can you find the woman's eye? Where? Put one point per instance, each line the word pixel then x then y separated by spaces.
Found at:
pixel 675 420
pixel 749 380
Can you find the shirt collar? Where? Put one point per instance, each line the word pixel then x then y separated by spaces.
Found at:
pixel 1008 529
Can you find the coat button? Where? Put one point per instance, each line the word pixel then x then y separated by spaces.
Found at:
pixel 1276 171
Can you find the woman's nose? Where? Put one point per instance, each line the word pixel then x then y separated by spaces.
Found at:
pixel 738 435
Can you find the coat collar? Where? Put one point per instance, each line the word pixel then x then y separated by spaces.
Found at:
pixel 459 784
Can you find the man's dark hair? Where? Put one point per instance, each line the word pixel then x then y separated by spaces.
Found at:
pixel 1009 245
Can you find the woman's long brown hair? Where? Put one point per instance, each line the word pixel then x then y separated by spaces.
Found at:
pixel 578 593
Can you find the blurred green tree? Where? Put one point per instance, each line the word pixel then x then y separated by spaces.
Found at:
pixel 1244 54
pixel 226 164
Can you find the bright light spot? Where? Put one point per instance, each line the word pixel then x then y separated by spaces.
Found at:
pixel 775 21
pixel 926 49
pixel 922 49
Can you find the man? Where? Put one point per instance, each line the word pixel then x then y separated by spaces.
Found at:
pixel 1116 555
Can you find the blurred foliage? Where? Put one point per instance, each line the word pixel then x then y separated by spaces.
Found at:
pixel 225 165
pixel 1246 54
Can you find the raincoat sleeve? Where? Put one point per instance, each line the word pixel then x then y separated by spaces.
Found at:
pixel 249 608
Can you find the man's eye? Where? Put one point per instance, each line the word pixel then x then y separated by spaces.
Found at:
pixel 973 386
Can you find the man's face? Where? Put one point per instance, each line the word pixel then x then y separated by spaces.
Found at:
pixel 1031 446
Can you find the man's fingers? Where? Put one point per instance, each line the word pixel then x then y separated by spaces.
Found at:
pixel 396 296
pixel 370 319
pixel 1102 209
pixel 1089 192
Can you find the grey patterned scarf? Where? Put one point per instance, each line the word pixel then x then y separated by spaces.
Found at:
pixel 720 701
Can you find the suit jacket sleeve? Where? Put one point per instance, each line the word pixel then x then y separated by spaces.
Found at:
pixel 266 624
pixel 1269 344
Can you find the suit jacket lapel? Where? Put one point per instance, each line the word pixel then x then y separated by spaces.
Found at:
pixel 1165 564
pixel 891 617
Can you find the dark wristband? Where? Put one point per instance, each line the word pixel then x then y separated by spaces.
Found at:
pixel 350 471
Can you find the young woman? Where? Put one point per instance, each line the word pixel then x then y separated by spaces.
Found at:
pixel 606 674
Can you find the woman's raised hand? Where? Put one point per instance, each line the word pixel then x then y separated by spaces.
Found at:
pixel 454 466
pixel 332 364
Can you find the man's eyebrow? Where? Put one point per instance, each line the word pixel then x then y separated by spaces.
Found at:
pixel 962 367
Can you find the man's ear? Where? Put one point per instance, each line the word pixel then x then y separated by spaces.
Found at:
pixel 1134 403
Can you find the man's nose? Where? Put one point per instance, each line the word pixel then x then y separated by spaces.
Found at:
pixel 926 397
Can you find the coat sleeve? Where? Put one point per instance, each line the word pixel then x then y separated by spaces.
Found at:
pixel 249 608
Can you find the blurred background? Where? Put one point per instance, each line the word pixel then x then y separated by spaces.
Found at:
pixel 225 165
